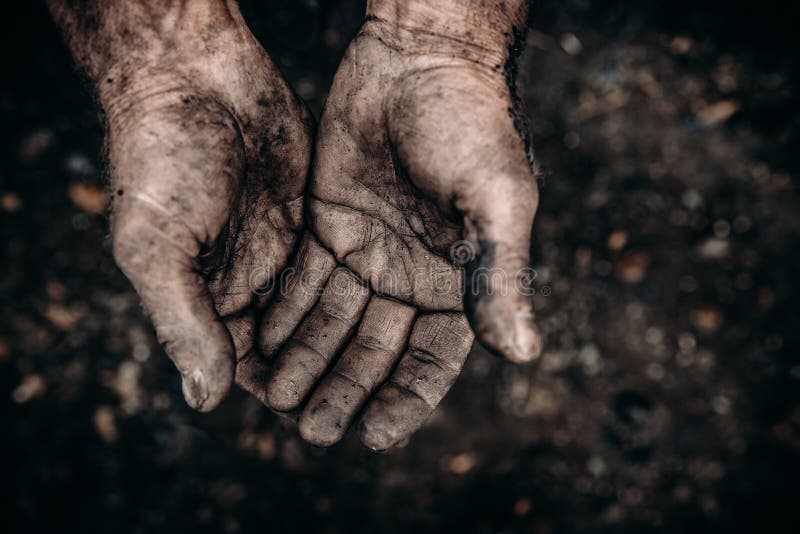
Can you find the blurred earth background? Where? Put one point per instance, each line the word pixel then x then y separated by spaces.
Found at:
pixel 668 398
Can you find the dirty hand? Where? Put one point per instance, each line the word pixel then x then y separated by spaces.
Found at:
pixel 420 169
pixel 208 152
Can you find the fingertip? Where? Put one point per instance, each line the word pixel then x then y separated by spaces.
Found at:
pixel 204 389
pixel 252 375
pixel 374 427
pixel 207 371
pixel 507 330
pixel 322 425
pixel 281 398
pixel 286 387
pixel 524 342
pixel 392 416
pixel 375 437
pixel 195 390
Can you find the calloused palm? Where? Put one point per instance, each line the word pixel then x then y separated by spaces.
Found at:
pixel 417 155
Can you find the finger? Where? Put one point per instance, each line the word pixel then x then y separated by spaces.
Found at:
pixel 241 328
pixel 477 163
pixel 437 350
pixel 366 363
pixel 178 302
pixel 298 291
pixel 251 370
pixel 252 373
pixel 244 266
pixel 317 341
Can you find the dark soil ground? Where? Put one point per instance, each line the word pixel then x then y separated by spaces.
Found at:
pixel 667 243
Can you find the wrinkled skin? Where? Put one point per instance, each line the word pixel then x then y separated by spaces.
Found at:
pixel 417 163
pixel 420 176
pixel 208 153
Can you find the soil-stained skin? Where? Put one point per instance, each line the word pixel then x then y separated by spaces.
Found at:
pixel 416 154
pixel 419 151
pixel 669 404
pixel 208 151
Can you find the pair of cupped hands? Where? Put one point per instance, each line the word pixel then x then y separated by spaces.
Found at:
pixel 336 272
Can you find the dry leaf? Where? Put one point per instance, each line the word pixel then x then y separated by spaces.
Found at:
pixel 89 198
pixel 718 112
pixel 632 267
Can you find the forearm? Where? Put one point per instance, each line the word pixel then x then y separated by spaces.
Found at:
pixel 484 29
pixel 120 43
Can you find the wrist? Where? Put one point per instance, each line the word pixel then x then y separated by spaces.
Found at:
pixel 147 46
pixel 478 30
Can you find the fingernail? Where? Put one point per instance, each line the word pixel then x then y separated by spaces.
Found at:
pixel 526 342
pixel 195 389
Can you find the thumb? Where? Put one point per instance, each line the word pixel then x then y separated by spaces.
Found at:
pixel 176 168
pixel 457 140
pixel 177 300
pixel 496 259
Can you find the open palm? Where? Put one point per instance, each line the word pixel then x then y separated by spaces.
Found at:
pixel 419 171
